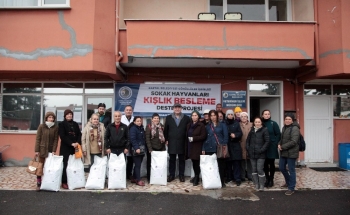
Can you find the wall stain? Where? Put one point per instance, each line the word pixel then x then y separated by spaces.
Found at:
pixel 337 51
pixel 75 49
pixel 218 48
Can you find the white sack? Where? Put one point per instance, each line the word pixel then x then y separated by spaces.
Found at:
pixel 97 176
pixel 53 168
pixel 210 172
pixel 159 167
pixel 116 171
pixel 75 173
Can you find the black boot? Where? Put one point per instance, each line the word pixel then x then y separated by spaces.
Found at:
pixel 267 181
pixel 191 180
pixel 271 182
pixel 196 180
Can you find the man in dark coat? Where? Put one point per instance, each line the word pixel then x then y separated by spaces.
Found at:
pixel 175 137
pixel 103 116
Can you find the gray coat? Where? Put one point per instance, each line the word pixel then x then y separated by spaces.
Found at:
pixel 290 141
pixel 176 135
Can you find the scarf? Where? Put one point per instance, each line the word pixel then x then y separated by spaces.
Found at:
pixel 255 128
pixel 98 134
pixel 49 124
pixel 154 128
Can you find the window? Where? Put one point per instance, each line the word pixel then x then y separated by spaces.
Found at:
pixel 264 89
pixel 23 105
pixel 310 89
pixel 255 10
pixel 341 101
pixel 34 3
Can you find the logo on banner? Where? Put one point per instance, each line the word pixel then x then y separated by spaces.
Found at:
pixel 125 92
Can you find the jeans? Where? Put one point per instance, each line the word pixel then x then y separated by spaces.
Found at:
pixel 258 166
pixel 172 164
pixel 246 166
pixel 137 169
pixel 290 174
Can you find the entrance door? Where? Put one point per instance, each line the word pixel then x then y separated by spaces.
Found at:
pixel 91 103
pixel 258 104
pixel 318 129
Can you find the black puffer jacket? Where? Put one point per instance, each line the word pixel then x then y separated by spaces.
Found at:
pixel 290 141
pixel 257 143
pixel 234 145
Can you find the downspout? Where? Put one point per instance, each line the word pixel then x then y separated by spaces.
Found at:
pixel 117 52
pixel 317 57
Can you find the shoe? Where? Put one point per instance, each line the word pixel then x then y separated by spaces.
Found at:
pixel 284 185
pixel 228 180
pixel 191 180
pixel 171 178
pixel 133 181
pixel 196 180
pixel 289 192
pixel 38 184
pixel 271 182
pixel 242 179
pixel 182 178
pixel 223 185
pixel 65 186
pixel 140 183
pixel 267 181
pixel 262 180
pixel 238 183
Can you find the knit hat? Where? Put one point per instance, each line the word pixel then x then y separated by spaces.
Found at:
pixel 206 111
pixel 238 109
pixel 50 114
pixel 229 112
pixel 245 113
pixel 196 111
pixel 155 115
pixel 66 112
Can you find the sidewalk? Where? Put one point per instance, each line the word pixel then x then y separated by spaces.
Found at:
pixel 16 178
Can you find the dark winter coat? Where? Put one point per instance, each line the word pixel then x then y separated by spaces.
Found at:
pixel 275 137
pixel 257 143
pixel 234 145
pixel 199 134
pixel 46 140
pixel 221 132
pixel 69 132
pixel 117 140
pixel 290 141
pixel 154 143
pixel 137 136
pixel 176 135
pixel 106 119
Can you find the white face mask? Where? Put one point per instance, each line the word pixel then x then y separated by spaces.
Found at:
pixel 49 124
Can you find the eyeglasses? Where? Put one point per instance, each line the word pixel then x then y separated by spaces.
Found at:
pixel 230 114
pixel 244 116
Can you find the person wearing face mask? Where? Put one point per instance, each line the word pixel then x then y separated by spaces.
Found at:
pixel 155 140
pixel 46 140
pixel 70 135
pixel 233 163
pixel 103 117
pixel 257 144
pixel 272 152
pixel 137 140
pixel 238 112
pixel 196 134
pixel 93 140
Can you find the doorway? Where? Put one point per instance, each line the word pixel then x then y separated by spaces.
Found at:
pixel 265 95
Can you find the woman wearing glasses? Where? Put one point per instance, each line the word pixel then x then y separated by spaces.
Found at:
pixel 217 134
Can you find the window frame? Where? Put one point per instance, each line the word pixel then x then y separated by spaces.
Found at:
pixel 41 5
pixel 267 17
pixel 42 95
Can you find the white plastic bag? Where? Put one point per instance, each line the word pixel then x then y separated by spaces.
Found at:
pixel 97 176
pixel 53 169
pixel 210 172
pixel 75 173
pixel 116 171
pixel 159 167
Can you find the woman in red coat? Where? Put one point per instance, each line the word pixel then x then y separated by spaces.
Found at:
pixel 196 135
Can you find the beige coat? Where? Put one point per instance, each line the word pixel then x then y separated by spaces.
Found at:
pixel 245 130
pixel 85 142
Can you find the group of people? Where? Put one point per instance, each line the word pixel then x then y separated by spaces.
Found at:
pixel 253 147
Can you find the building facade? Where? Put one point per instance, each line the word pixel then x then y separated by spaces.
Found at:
pixel 286 55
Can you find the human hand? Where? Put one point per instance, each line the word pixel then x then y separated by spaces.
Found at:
pixel 166 142
pixel 203 152
pixel 279 147
pixel 126 151
pixel 108 151
pixel 36 154
pixel 84 153
pixel 233 135
pixel 138 151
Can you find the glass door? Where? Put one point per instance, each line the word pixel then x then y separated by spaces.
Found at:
pixel 91 103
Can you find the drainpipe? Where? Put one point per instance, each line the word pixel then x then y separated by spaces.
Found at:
pixel 317 57
pixel 120 57
pixel 117 52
